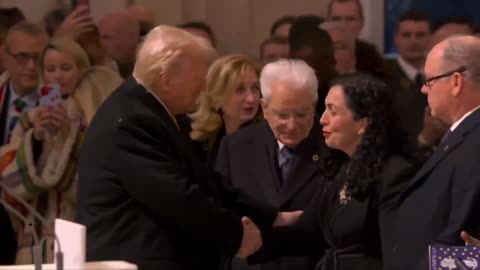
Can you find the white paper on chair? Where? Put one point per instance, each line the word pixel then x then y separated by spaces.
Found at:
pixel 72 242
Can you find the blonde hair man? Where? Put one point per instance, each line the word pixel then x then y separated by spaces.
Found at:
pixel 142 195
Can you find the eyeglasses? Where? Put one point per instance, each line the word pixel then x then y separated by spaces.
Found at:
pixel 23 58
pixel 300 115
pixel 428 82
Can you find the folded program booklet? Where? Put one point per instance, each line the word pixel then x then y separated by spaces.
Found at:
pixel 454 257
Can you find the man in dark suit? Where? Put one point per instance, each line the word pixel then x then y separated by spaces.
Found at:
pixel 405 74
pixel 254 158
pixel 141 194
pixel 444 197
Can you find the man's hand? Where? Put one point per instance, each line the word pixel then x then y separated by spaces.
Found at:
pixel 252 239
pixel 433 129
pixel 287 218
pixel 76 23
pixel 469 240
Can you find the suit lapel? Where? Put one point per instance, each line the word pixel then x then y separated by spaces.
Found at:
pixel 305 164
pixel 303 169
pixel 5 97
pixel 179 139
pixel 440 153
pixel 268 166
pixel 453 141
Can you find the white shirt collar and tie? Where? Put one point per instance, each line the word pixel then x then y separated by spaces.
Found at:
pixel 459 121
pixel 411 71
pixel 285 156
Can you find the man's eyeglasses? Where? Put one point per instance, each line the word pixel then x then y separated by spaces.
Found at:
pixel 296 115
pixel 23 58
pixel 428 82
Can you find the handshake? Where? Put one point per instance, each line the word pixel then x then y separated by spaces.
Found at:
pixel 252 237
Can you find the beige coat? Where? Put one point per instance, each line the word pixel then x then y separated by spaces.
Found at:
pixel 47 183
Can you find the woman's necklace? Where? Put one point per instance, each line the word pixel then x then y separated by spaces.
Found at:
pixel 343 196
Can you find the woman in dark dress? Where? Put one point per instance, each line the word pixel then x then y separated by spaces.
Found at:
pixel 349 220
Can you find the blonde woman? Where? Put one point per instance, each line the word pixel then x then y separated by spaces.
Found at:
pixel 231 100
pixel 63 61
pixel 42 164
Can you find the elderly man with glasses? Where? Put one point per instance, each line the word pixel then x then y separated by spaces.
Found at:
pixel 23 45
pixel 21 50
pixel 444 197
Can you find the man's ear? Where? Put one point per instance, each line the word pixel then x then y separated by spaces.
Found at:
pixel 164 82
pixel 457 84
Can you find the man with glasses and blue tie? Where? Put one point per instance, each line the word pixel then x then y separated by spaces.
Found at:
pixel 444 197
pixel 23 46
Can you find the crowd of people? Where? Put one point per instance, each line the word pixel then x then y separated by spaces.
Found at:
pixel 318 154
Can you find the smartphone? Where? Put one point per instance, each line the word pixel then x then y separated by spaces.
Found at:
pixel 50 95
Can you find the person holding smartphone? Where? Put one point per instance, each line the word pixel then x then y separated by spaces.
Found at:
pixel 43 161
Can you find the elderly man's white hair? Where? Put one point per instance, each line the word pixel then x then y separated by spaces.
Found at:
pixel 296 73
pixel 164 49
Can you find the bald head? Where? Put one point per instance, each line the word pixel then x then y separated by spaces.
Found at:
pixel 452 70
pixel 120 34
pixel 461 51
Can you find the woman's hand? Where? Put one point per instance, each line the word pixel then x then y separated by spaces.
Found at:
pixel 50 122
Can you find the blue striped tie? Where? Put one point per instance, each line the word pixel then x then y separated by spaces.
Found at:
pixel 285 166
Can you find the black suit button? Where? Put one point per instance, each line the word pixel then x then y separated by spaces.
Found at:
pixel 394 249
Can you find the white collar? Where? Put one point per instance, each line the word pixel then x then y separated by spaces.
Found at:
pixel 409 70
pixel 31 99
pixel 459 121
pixel 280 145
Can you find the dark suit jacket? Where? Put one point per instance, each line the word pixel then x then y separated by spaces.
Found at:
pixel 4 114
pixel 369 60
pixel 8 246
pixel 143 196
pixel 8 242
pixel 249 159
pixel 352 233
pixel 409 102
pixel 441 200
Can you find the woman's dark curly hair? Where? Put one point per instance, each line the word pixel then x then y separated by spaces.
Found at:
pixel 368 97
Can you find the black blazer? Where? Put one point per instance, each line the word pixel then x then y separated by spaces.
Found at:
pixel 4 114
pixel 441 200
pixel 409 102
pixel 143 196
pixel 8 246
pixel 249 159
pixel 351 234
